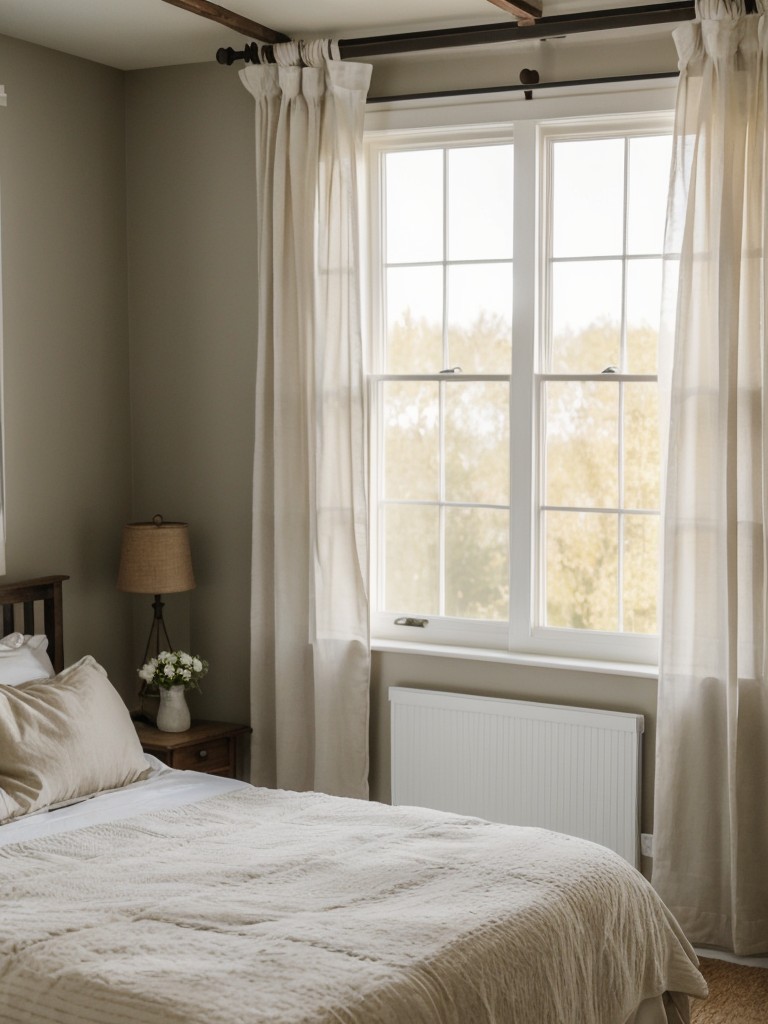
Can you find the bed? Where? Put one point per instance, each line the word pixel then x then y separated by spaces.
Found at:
pixel 164 896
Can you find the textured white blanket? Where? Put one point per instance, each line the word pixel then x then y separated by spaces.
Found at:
pixel 263 906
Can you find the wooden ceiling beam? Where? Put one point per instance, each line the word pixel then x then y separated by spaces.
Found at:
pixel 523 10
pixel 230 20
pixel 505 32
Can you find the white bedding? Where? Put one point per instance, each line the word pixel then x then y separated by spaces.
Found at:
pixel 163 789
pixel 264 907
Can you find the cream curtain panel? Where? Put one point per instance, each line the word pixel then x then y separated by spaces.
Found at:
pixel 309 611
pixel 711 821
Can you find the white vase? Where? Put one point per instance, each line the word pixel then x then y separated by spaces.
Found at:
pixel 173 713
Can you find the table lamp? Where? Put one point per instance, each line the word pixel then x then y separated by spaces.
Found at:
pixel 155 559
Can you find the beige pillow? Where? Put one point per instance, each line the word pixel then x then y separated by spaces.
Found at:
pixel 63 739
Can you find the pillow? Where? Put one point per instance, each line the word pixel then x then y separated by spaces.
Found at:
pixel 64 739
pixel 23 658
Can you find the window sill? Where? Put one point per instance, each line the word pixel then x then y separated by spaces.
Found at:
pixel 615 668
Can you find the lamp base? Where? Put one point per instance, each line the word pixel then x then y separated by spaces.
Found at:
pixel 157 632
pixel 154 646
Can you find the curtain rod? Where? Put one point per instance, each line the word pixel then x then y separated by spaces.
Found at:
pixel 527 87
pixel 480 35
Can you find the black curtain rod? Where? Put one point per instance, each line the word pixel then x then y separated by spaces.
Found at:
pixel 498 32
pixel 528 87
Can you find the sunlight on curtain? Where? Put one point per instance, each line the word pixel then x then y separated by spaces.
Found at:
pixel 711 820
pixel 309 629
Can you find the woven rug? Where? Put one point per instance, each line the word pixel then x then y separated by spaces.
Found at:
pixel 737 994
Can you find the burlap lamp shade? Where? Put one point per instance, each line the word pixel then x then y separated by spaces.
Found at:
pixel 155 558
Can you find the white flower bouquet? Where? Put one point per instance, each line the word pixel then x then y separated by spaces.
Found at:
pixel 174 668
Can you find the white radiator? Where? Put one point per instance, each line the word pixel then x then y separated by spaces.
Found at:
pixel 572 770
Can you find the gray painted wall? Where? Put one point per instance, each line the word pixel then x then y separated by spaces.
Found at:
pixel 65 348
pixel 192 274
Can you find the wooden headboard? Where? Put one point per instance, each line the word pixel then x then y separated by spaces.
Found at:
pixel 21 604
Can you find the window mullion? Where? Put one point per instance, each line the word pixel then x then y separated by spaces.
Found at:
pixel 624 249
pixel 446 229
pixel 441 496
pixel 620 523
pixel 623 365
pixel 441 398
pixel 521 413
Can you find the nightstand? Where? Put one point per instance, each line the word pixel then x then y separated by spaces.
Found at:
pixel 209 747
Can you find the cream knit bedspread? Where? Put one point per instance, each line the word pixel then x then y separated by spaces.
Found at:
pixel 263 906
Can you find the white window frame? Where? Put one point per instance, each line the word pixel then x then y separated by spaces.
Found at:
pixel 521 636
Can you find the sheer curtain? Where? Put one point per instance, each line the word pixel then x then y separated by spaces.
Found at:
pixel 309 612
pixel 711 820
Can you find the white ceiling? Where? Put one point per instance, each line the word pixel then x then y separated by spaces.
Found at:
pixel 132 34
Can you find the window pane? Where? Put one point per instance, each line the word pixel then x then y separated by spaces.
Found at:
pixel 586 316
pixel 411 559
pixel 477 442
pixel 581 559
pixel 582 443
pixel 480 317
pixel 480 195
pixel 643 315
pixel 641 578
pixel 414 206
pixel 588 200
pixel 649 161
pixel 477 563
pixel 641 446
pixel 411 438
pixel 415 320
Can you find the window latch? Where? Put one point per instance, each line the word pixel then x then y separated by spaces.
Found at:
pixel 406 620
pixel 452 369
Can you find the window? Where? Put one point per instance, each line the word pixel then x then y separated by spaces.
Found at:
pixel 514 398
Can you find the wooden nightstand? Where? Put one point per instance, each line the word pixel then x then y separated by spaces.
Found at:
pixel 209 747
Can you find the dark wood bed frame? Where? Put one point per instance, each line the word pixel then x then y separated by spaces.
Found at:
pixel 21 604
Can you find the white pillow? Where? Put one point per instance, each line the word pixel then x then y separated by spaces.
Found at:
pixel 23 658
pixel 64 739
